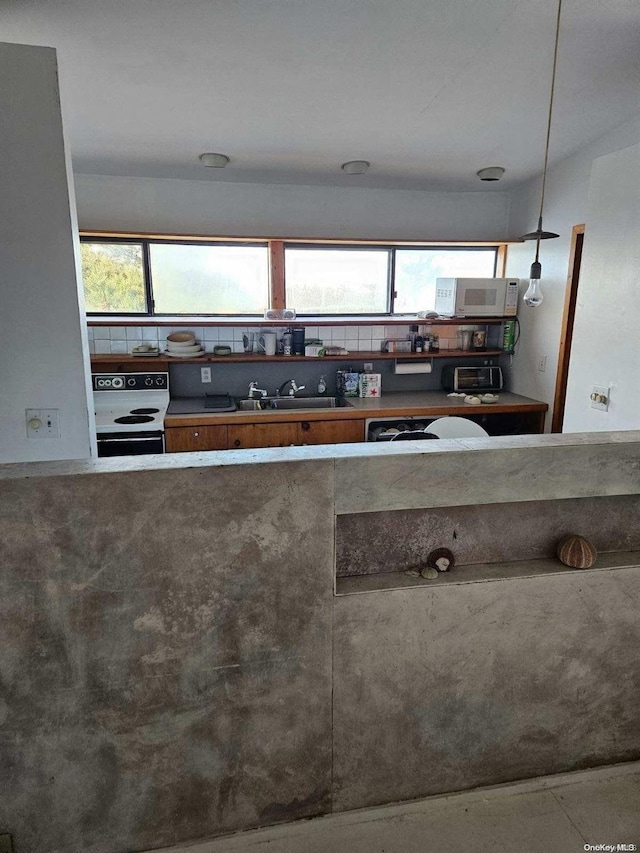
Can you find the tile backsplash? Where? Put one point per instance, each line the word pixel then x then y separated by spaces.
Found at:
pixel 122 339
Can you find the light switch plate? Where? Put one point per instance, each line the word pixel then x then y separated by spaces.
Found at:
pixel 600 398
pixel 42 423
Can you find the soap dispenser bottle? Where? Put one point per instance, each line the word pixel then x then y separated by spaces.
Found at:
pixel 322 385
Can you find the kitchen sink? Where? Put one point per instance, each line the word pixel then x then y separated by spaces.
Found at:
pixel 268 404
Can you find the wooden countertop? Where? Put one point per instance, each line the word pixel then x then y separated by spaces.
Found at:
pixel 399 404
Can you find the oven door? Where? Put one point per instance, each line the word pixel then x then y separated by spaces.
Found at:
pixel 130 443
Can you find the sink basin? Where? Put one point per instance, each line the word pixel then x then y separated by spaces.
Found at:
pixel 249 405
pixel 271 403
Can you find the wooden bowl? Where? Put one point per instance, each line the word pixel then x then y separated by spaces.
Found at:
pixel 181 338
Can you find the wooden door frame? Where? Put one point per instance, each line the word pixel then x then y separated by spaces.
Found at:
pixel 566 335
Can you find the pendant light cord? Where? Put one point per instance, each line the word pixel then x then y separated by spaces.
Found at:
pixel 553 86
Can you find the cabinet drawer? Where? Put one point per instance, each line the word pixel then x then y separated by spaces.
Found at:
pixel 181 439
pixel 262 435
pixel 330 432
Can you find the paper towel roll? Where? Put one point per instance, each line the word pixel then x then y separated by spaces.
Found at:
pixel 412 366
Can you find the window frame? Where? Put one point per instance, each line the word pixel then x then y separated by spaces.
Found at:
pixel 276 251
pixel 146 242
pixel 345 247
pixel 391 249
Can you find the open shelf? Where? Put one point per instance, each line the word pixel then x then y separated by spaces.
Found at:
pixel 481 573
pixel 356 355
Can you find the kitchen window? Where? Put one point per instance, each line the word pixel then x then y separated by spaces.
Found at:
pixel 416 271
pixel 337 280
pixel 163 276
pixel 209 279
pixel 113 277
pixel 385 280
pixel 160 277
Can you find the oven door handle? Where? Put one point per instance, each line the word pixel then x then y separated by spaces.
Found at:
pixel 132 437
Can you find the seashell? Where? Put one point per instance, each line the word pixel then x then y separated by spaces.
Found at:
pixel 576 551
pixel 413 573
pixel 441 559
pixel 429 573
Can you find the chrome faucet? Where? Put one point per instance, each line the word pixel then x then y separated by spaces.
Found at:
pixel 254 391
pixel 293 390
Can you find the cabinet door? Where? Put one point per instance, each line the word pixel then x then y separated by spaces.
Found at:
pixel 262 435
pixel 182 439
pixel 330 432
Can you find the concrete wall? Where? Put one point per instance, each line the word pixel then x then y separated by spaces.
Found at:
pixel 152 205
pixel 43 343
pixel 566 205
pixel 171 642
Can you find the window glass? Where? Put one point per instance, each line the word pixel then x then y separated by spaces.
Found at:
pixel 416 271
pixel 210 279
pixel 337 281
pixel 113 278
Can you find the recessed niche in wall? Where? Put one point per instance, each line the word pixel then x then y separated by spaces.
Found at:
pixel 491 541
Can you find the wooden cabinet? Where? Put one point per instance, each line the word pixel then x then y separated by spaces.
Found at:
pixel 238 436
pixel 262 435
pixel 211 437
pixel 330 432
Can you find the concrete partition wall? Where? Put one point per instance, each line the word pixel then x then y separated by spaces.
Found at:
pixel 174 662
pixel 165 657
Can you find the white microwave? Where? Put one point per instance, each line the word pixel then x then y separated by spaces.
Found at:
pixel 477 297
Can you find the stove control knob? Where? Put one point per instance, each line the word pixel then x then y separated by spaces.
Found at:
pixel 131 381
pixel 159 380
pixel 148 381
pixel 117 382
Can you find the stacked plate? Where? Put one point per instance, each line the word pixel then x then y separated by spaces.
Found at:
pixel 183 345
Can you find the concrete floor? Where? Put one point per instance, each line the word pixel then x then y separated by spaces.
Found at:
pixel 553 814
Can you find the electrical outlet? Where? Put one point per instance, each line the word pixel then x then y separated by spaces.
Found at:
pixel 368 367
pixel 542 364
pixel 205 374
pixel 43 423
pixel 600 398
pixel 6 844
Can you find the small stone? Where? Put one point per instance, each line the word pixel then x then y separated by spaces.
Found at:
pixel 429 573
pixel 412 573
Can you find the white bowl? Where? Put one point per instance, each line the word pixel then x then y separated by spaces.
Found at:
pixel 183 354
pixel 183 348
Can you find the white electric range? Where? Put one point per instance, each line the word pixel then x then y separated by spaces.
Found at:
pixel 130 410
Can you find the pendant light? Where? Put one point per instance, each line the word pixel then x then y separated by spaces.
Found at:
pixel 533 297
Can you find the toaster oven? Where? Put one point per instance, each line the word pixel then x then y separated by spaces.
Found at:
pixel 471 379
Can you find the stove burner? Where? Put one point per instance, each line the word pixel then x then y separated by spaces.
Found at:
pixel 144 411
pixel 133 419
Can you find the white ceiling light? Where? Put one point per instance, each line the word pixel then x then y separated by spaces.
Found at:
pixel 490 173
pixel 355 167
pixel 216 161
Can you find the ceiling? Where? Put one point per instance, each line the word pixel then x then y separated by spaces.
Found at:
pixel 428 91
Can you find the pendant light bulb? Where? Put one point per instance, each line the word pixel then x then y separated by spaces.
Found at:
pixel 533 297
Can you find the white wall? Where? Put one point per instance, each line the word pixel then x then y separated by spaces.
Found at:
pixel 43 343
pixel 233 209
pixel 606 348
pixel 566 205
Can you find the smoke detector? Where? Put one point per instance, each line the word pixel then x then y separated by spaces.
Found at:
pixel 490 173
